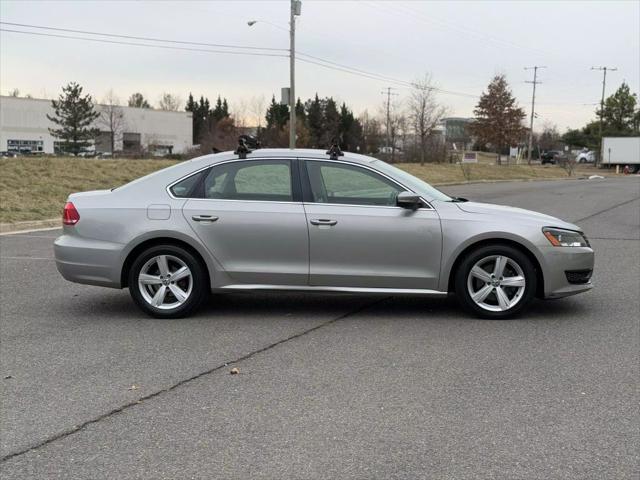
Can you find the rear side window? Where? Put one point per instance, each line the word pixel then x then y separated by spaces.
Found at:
pixel 262 180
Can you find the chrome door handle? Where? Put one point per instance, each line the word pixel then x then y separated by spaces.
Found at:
pixel 204 218
pixel 323 221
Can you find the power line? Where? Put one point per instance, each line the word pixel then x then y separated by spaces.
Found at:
pixel 151 39
pixel 533 106
pixel 102 40
pixel 319 61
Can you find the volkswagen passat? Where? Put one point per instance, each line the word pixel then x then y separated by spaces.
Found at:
pixel 307 220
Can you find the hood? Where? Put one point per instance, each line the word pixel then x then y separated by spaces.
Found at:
pixel 515 214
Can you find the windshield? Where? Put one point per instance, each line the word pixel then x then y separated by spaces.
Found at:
pixel 419 186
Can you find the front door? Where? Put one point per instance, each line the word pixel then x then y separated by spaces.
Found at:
pixel 358 237
pixel 248 219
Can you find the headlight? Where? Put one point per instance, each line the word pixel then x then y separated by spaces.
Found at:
pixel 565 238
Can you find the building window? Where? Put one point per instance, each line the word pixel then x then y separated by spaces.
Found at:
pixel 25 146
pixel 131 142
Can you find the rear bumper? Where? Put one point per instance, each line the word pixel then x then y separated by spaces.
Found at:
pixel 88 261
pixel 559 260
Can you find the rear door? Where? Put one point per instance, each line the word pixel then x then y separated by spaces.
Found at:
pixel 358 237
pixel 249 215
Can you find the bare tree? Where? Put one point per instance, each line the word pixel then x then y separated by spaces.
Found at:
pixel 258 109
pixel 424 112
pixel 112 118
pixel 169 102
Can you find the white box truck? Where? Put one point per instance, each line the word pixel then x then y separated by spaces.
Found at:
pixel 621 151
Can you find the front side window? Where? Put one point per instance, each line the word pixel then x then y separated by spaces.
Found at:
pixel 351 185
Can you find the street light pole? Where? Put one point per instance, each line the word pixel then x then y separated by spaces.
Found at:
pixel 295 11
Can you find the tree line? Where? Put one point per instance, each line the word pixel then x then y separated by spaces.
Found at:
pixel 407 128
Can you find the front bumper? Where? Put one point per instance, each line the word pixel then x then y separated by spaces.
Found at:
pixel 88 261
pixel 558 261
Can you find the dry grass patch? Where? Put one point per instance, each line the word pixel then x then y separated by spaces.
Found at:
pixel 36 188
pixel 439 174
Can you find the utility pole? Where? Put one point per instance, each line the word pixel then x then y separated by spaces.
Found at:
pixel 533 107
pixel 604 82
pixel 296 8
pixel 388 94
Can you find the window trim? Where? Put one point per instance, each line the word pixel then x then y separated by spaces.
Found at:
pixel 307 196
pixel 294 175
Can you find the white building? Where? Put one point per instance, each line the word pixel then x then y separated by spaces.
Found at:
pixel 24 127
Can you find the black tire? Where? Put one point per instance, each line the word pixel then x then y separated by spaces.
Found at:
pixel 199 282
pixel 462 273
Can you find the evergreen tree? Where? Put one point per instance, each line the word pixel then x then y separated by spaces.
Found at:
pixel 331 121
pixel 314 121
pixel 277 115
pixel 350 130
pixel 74 114
pixel 619 112
pixel 498 117
pixel 301 114
pixel 225 109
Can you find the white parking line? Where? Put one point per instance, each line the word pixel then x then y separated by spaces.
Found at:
pixel 25 258
pixel 31 230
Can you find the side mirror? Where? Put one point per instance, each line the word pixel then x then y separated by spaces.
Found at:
pixel 409 200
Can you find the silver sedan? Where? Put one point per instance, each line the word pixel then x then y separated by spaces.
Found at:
pixel 277 219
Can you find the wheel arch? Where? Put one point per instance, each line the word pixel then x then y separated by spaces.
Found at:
pixel 145 243
pixel 497 241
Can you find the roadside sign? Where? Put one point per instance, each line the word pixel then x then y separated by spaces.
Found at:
pixel 470 157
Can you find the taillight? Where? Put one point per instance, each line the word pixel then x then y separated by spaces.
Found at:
pixel 70 215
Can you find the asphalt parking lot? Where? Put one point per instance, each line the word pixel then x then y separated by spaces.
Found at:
pixel 330 386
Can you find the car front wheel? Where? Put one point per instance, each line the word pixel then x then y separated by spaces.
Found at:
pixel 167 281
pixel 495 282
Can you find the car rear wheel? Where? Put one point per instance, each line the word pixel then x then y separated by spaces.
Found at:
pixel 167 281
pixel 495 282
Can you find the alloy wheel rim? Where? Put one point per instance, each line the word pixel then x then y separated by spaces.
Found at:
pixel 165 282
pixel 496 283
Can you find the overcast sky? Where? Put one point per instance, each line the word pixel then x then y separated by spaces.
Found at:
pixel 462 44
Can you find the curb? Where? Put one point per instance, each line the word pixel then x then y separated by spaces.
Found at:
pixel 30 226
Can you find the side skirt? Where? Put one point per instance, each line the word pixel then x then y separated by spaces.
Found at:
pixel 398 291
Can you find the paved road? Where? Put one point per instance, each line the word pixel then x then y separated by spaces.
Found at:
pixel 330 386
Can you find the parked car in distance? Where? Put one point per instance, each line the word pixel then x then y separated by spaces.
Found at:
pixel 306 220
pixel 553 157
pixel 586 156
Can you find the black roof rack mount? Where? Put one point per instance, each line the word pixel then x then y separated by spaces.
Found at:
pixel 242 149
pixel 334 151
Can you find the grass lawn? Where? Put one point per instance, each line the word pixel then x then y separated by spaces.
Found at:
pixel 36 188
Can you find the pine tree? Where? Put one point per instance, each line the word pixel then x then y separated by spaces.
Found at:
pixel 331 121
pixel 225 108
pixel 277 115
pixel 74 114
pixel 619 111
pixel 314 121
pixel 498 120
